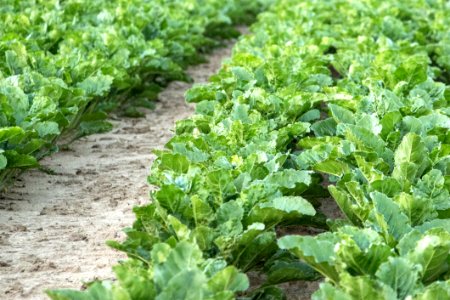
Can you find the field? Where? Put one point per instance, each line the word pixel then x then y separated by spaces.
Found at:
pixel 88 202
pixel 316 163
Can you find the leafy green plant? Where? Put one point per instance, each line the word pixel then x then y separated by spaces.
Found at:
pixel 327 99
pixel 64 64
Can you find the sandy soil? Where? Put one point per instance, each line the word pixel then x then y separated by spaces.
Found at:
pixel 53 228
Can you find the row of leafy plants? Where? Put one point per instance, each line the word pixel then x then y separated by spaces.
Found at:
pixel 60 59
pixel 337 99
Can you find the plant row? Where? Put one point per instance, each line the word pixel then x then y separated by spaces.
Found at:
pixel 60 59
pixel 324 99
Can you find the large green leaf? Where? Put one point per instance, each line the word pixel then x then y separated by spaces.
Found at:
pixel 281 209
pixel 16 160
pixel 361 251
pixel 318 252
pixel 7 133
pixel 341 115
pixel 410 154
pixel 391 220
pixel 332 167
pixel 400 274
pixel 229 279
pixel 364 287
pixel 290 270
pixel 432 252
pixel 175 262
pixel 175 287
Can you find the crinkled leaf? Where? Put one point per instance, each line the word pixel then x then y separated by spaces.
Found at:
pixel 229 279
pixel 316 251
pixel 400 274
pixel 394 221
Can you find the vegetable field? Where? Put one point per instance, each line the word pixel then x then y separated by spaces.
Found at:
pixel 62 58
pixel 323 102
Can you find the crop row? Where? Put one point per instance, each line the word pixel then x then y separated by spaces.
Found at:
pixel 61 58
pixel 324 99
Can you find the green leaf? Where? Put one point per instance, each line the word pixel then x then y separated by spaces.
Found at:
pixel 325 127
pixel 47 128
pixel 171 198
pixel 258 249
pixel 16 59
pixel 242 74
pixel 290 270
pixel 175 286
pixel 97 291
pixel 174 162
pixel 316 251
pixel 170 268
pixel 229 217
pixel 16 160
pixel 95 126
pixel 436 290
pixel 181 231
pixel 281 209
pixel 390 218
pixel 410 154
pixel 417 209
pixel 310 157
pixel 290 204
pixel 7 133
pixel 341 115
pixel 413 70
pixel 199 93
pixel 202 212
pixel 310 115
pixel 361 250
pixel 411 149
pixel 333 167
pixel 270 292
pixel 432 187
pixel 388 186
pixel 135 279
pixel 98 85
pixel 364 287
pixel 432 252
pixel 290 179
pixel 400 274
pixel 328 292
pixel 436 223
pixel 229 279
pixel 221 182
pixel 389 121
pixel 364 138
pixel 203 237
pixel 346 205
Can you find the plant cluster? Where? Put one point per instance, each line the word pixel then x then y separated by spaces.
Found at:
pixel 60 59
pixel 342 99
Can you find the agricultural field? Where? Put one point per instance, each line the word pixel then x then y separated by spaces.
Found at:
pixel 316 164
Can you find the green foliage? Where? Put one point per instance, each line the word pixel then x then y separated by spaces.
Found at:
pixel 351 95
pixel 60 61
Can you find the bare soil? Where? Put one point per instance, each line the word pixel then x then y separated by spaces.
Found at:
pixel 53 228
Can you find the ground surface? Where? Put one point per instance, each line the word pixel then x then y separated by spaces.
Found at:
pixel 53 228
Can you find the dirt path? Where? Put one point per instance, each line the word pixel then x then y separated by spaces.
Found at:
pixel 53 228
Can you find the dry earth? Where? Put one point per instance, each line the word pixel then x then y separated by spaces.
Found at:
pixel 53 228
